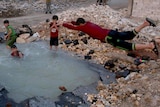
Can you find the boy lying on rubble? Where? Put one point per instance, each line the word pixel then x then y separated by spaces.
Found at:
pixel 113 37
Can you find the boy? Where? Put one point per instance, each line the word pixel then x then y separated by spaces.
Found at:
pixel 54 32
pixel 48 6
pixel 11 34
pixel 15 52
pixel 113 37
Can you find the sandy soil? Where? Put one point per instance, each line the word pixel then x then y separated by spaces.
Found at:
pixel 35 18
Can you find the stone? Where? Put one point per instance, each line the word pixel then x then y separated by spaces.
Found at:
pixel 24 36
pixel 67 41
pixel 84 40
pixel 62 88
pixel 20 40
pixel 75 42
pixel 123 74
pixel 100 86
pixel 91 52
pixel 87 57
pixel 109 64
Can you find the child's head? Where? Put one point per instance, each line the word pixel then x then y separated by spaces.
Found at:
pixel 6 23
pixel 47 20
pixel 55 17
pixel 80 21
pixel 13 47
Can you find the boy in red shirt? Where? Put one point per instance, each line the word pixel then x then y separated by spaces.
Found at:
pixel 54 32
pixel 113 37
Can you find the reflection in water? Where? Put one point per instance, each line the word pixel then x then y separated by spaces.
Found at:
pixel 41 72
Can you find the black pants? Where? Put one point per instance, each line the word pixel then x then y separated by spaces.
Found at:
pixel 117 39
pixel 100 1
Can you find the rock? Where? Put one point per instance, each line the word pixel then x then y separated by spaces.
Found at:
pixel 100 86
pixel 84 40
pixel 20 40
pixel 109 64
pixel 24 36
pixel 62 88
pixel 81 34
pixel 91 52
pixel 123 74
pixel 67 41
pixel 75 42
pixel 87 57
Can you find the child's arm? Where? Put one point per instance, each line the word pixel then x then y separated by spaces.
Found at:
pixel 54 25
pixel 20 54
pixel 7 37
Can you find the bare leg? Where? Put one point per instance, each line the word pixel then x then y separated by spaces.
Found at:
pixel 97 2
pixel 56 48
pixel 104 2
pixel 50 47
pixel 8 47
pixel 158 40
pixel 144 46
pixel 139 28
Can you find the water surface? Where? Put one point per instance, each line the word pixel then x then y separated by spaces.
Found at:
pixel 41 71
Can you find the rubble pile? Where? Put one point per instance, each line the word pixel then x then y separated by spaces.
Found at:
pixel 139 88
pixel 24 7
pixel 9 9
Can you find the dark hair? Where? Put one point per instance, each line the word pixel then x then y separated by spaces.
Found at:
pixel 13 46
pixel 80 21
pixel 47 20
pixel 55 17
pixel 6 21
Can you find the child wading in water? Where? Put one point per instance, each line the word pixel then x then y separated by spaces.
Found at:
pixel 54 32
pixel 15 52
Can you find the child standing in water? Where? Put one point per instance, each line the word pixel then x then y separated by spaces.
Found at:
pixel 15 52
pixel 54 32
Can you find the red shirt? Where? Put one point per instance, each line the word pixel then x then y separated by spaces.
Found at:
pixel 91 29
pixel 53 32
pixel 16 54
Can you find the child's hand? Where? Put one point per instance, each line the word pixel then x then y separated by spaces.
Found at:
pixel 6 37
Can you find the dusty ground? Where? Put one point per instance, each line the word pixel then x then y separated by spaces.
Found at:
pixel 34 17
pixel 138 90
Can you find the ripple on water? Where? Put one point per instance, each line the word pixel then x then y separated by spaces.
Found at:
pixel 42 71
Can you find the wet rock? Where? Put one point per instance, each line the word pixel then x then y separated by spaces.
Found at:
pixel 62 88
pixel 40 102
pixel 88 57
pixel 123 74
pixel 67 41
pixel 69 99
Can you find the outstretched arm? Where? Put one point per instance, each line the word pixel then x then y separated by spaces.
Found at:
pixel 71 25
